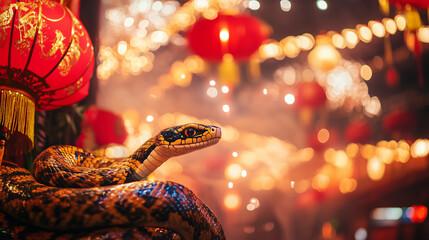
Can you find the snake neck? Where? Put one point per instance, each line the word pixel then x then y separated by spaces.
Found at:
pixel 146 159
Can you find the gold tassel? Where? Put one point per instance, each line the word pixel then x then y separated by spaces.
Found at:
pixel 17 110
pixel 229 72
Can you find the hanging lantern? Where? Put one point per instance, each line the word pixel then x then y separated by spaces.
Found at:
pixel 100 128
pixel 324 56
pixel 310 95
pixel 358 132
pixel 47 61
pixel 239 35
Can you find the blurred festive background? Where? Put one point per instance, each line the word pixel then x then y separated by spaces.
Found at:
pixel 323 106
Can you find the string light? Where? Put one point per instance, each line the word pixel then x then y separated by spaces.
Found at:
pixel 285 5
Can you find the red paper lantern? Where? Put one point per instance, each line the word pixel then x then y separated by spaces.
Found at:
pixel 399 121
pixel 47 61
pixel 310 95
pixel 416 3
pixel 106 126
pixel 239 35
pixel 358 132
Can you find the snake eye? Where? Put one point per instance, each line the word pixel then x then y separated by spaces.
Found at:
pixel 190 132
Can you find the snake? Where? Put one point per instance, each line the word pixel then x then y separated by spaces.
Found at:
pixel 74 194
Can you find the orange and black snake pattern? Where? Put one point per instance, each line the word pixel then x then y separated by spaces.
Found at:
pixel 121 205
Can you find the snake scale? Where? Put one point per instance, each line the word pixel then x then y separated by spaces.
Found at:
pixel 105 198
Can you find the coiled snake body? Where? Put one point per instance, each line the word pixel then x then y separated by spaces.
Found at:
pixel 105 196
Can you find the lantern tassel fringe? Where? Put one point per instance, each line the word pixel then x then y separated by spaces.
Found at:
pixel 17 112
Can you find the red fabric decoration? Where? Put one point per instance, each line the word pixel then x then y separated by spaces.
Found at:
pixel 416 3
pixel 246 34
pixel 358 132
pixel 310 95
pixel 399 121
pixel 106 126
pixel 46 52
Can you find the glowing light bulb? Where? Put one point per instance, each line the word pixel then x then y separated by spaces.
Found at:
pixel 224 35
pixel 149 118
pixel 285 5
pixel 225 89
pixel 289 98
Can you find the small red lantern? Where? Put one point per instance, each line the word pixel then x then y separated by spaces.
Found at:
pixel 310 95
pixel 399 122
pixel 47 61
pixel 106 127
pixel 358 132
pixel 239 35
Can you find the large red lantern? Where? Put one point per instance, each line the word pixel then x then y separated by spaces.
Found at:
pixel 106 127
pixel 310 95
pixel 46 61
pixel 239 35
pixel 358 132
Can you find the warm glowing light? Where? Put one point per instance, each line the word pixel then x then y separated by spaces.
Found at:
pixel 306 154
pixel 226 108
pixel 289 98
pixel 375 168
pixel 338 41
pixel 341 159
pixel 122 47
pixel 366 72
pixel 423 34
pixel 377 28
pixel 128 22
pixel 390 25
pixel 212 92
pixel 373 107
pixel 322 4
pixel 402 155
pixel 225 89
pixel 285 5
pixel 347 185
pixel 149 118
pixel 401 22
pixel 224 35
pixel 292 184
pixel 324 57
pixel 290 47
pixel 235 154
pixel 270 50
pixel 243 173
pixel 351 38
pixel 385 154
pixel 201 5
pixel 254 5
pixel 365 34
pixel 320 181
pixel 230 184
pixel 305 41
pixel 323 135
pixel 265 91
pixel 352 150
pixel 420 148
pixel 233 171
pixel 232 201
pixel 212 83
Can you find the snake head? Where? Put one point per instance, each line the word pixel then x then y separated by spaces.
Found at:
pixel 186 138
